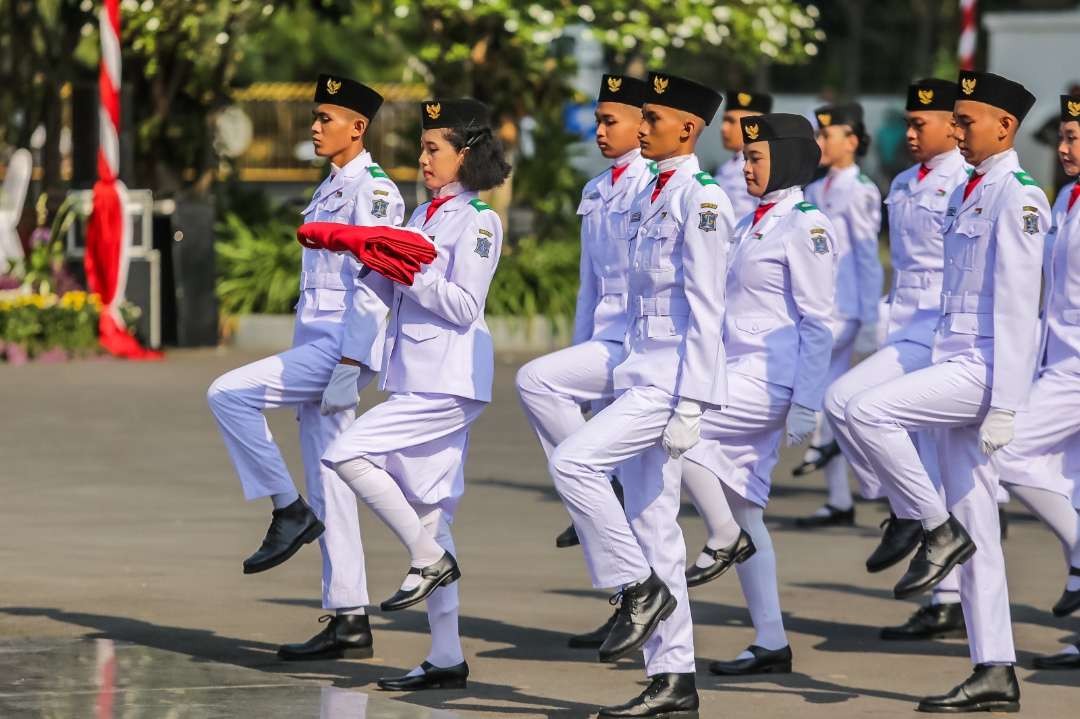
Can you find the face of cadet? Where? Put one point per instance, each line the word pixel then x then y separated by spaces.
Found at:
pixel 616 128
pixel 335 129
pixel 666 132
pixel 982 130
pixel 756 167
pixel 731 130
pixel 838 145
pixel 930 133
pixel 440 162
pixel 1069 147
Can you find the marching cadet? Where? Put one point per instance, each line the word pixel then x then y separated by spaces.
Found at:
pixel 853 202
pixel 984 358
pixel 681 228
pixel 1030 464
pixel 778 344
pixel 405 458
pixel 554 387
pixel 338 314
pixel 917 200
pixel 738 104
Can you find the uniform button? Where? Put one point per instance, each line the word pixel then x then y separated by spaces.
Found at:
pixel 754 327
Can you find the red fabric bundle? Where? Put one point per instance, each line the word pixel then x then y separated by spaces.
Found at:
pixel 393 252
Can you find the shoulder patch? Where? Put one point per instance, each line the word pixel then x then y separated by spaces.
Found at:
pixel 806 206
pixel 376 171
pixel 704 179
pixel 1024 179
pixel 479 205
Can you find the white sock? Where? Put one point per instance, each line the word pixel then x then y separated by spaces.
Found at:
pixel 757 576
pixel 836 481
pixel 1056 512
pixel 380 492
pixel 343 611
pixel 283 500
pixel 929 524
pixel 443 603
pixel 705 492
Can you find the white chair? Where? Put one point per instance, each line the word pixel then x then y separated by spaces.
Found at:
pixel 12 197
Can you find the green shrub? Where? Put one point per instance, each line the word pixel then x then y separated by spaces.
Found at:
pixel 536 278
pixel 258 265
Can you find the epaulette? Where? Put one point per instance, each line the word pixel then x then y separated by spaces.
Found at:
pixel 806 206
pixel 1024 179
pixel 376 171
pixel 704 179
pixel 479 205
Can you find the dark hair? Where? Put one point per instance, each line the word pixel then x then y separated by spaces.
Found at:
pixel 859 130
pixel 484 166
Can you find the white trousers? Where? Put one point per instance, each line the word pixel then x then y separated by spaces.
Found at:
pixel 836 471
pixel 296 378
pixel 620 548
pixel 553 388
pixel 888 363
pixel 951 397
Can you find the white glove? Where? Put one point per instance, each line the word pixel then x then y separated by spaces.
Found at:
pixel 342 392
pixel 866 341
pixel 996 430
pixel 683 430
pixel 801 422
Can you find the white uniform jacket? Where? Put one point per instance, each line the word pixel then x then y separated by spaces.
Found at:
pixel 1060 337
pixel 678 265
pixel 605 252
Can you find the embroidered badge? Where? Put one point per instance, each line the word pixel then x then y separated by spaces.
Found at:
pixel 758 235
pixel 940 192
pixel 817 231
pixel 483 247
pixel 951 212
pixel 635 217
pixel 707 223
pixel 485 233
pixel 384 193
pixel 821 245
pixel 708 206
pixel 1031 224
pixel 379 207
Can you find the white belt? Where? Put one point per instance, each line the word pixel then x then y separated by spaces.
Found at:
pixel 921 279
pixel 612 285
pixel 663 307
pixel 322 281
pixel 966 304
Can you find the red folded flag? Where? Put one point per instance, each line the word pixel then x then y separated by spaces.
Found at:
pixel 394 253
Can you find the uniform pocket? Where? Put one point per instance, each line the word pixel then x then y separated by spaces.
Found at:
pixel 658 243
pixel 981 325
pixel 329 300
pixel 755 325
pixel 969 232
pixel 1071 316
pixel 419 331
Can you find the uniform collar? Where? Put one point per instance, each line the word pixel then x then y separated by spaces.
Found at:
pixel 353 167
pixel 780 198
pixel 674 163
pixel 627 158
pixel 993 166
pixel 849 171
pixel 454 188
pixel 457 202
pixel 945 159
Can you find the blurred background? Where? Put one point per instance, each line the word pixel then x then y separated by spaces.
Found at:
pixel 215 111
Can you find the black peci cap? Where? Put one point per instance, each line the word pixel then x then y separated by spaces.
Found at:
pixel 682 94
pixel 622 89
pixel 464 113
pixel 931 94
pixel 991 89
pixel 849 113
pixel 341 91
pixel 749 101
pixel 1070 108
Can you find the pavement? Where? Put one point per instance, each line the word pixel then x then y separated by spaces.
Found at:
pixel 121 594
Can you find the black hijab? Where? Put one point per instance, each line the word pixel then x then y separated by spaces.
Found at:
pixel 793 152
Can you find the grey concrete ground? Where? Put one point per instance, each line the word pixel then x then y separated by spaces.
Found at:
pixel 122 521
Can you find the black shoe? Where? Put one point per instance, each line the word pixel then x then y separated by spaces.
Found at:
pixel 825 454
pixel 1003 522
pixel 990 688
pixel 669 696
pixel 764 661
pixel 934 621
pixel 567 538
pixel 347 636
pixel 290 528
pixel 1070 598
pixel 441 573
pixel 724 559
pixel 900 538
pixel 642 607
pixel 940 551
pixel 595 638
pixel 455 677
pixel 835 518
pixel 1058 661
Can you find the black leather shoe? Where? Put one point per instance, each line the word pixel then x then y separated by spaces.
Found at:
pixel 940 551
pixel 455 677
pixel 825 454
pixel 595 638
pixel 290 528
pixel 990 688
pixel 441 573
pixel 835 518
pixel 669 696
pixel 764 661
pixel 567 538
pixel 642 607
pixel 347 636
pixel 1058 661
pixel 1070 598
pixel 723 559
pixel 900 538
pixel 1003 522
pixel 934 621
